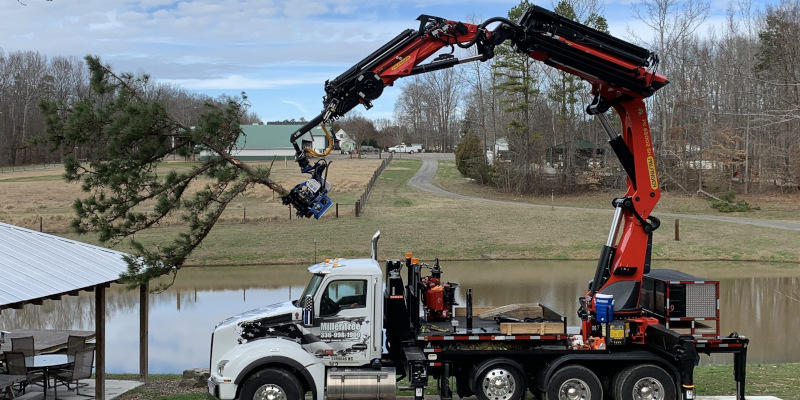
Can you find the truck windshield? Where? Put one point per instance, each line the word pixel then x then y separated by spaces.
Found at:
pixel 310 289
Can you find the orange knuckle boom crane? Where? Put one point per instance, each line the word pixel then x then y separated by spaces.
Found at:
pixel 622 75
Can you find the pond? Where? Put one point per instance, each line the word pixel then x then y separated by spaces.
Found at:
pixel 760 301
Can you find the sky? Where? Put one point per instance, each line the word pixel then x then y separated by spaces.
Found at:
pixel 280 52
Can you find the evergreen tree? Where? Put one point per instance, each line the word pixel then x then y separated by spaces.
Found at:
pixel 471 158
pixel 131 134
pixel 518 86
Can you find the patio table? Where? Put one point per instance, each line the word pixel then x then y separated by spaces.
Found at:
pixel 48 362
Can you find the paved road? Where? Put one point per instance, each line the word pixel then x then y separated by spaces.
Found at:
pixel 423 180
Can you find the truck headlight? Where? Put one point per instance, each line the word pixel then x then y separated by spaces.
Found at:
pixel 221 366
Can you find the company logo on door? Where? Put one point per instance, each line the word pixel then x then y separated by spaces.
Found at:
pixel 340 330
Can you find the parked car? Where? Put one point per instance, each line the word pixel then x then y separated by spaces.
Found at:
pixel 368 149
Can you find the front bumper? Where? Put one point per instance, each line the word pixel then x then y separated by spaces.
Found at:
pixel 221 389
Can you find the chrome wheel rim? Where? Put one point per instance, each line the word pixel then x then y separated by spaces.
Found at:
pixel 648 389
pixel 574 389
pixel 270 392
pixel 499 384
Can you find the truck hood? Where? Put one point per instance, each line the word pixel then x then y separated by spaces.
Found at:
pixel 275 320
pixel 286 308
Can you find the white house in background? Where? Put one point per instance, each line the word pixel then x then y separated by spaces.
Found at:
pixel 344 141
pixel 500 148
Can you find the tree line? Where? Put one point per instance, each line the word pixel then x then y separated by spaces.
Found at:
pixel 729 120
pixel 27 78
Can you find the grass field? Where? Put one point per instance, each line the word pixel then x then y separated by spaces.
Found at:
pixel 431 226
pixel 773 206
pixel 780 380
pixel 26 196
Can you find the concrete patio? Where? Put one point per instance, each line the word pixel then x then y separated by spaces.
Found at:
pixel 113 388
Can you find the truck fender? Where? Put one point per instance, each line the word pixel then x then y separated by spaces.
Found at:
pixel 276 352
pixel 480 368
pixel 544 374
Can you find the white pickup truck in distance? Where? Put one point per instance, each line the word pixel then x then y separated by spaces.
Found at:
pixel 404 148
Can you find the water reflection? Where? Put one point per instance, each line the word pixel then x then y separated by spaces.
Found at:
pixel 759 301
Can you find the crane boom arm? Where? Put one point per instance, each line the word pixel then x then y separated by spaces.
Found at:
pixel 622 75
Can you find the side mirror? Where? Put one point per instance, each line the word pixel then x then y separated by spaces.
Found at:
pixel 308 311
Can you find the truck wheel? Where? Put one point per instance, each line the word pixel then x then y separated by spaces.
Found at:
pixel 500 382
pixel 411 152
pixel 644 382
pixel 574 382
pixel 272 384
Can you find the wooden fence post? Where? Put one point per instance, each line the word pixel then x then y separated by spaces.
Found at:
pixel 143 330
pixel 337 210
pixel 677 230
pixel 358 202
pixel 290 212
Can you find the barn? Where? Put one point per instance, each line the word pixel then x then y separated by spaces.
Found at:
pixel 264 142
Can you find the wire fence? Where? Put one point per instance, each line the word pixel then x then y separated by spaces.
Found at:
pixel 31 167
pixel 362 201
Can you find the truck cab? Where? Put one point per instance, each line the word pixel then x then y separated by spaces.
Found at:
pixel 284 350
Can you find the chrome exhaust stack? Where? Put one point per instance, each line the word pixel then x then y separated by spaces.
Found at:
pixel 374 241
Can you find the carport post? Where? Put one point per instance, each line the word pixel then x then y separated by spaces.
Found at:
pixel 144 309
pixel 100 348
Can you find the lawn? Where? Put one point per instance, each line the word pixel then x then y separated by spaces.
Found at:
pixel 411 220
pixel 431 226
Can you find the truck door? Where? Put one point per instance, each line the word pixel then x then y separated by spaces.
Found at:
pixel 344 311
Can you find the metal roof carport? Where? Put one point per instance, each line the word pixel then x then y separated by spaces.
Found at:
pixel 36 266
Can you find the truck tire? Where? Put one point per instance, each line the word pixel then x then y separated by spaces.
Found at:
pixel 574 382
pixel 411 152
pixel 646 381
pixel 500 382
pixel 272 384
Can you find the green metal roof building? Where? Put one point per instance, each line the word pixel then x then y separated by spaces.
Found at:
pixel 260 142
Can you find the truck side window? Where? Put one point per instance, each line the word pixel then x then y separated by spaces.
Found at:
pixel 343 295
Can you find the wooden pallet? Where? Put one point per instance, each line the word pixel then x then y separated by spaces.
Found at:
pixel 532 328
pixel 518 311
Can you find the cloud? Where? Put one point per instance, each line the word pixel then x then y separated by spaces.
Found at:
pixel 238 82
pixel 300 107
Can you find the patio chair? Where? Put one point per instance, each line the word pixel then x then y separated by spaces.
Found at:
pixel 75 344
pixel 15 364
pixel 81 369
pixel 24 345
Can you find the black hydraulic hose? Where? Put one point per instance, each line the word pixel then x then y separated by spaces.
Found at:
pixel 482 26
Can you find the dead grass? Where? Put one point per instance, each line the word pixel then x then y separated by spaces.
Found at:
pixel 431 226
pixel 26 196
pixel 773 206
